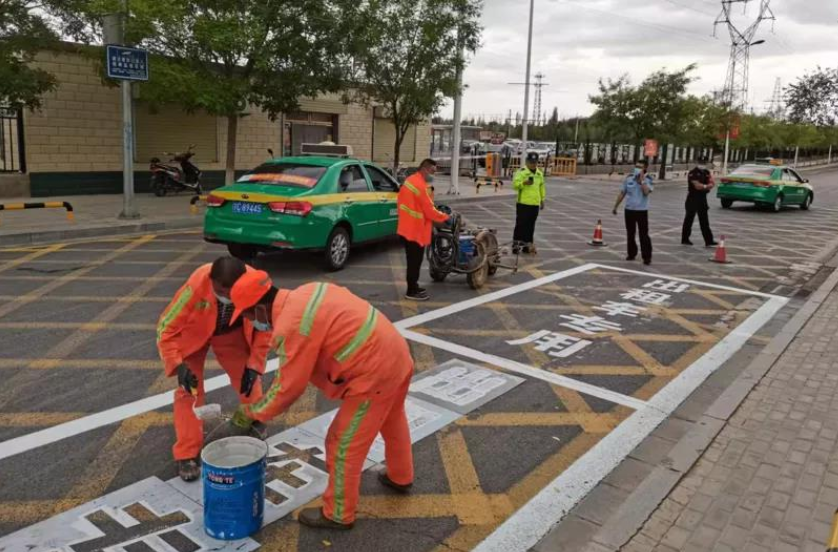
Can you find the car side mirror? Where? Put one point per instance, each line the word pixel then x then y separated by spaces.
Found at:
pixel 805 180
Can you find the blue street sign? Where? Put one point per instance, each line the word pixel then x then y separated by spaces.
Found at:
pixel 127 63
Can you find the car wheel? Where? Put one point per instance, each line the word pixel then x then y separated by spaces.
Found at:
pixel 337 249
pixel 807 202
pixel 242 251
pixel 778 204
pixel 727 203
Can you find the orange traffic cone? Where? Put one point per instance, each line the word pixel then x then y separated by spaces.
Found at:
pixel 597 239
pixel 721 253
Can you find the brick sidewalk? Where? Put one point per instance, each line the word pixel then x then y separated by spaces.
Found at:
pixel 769 481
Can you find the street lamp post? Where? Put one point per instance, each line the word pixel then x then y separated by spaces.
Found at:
pixel 527 88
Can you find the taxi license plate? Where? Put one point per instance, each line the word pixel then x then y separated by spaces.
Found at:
pixel 243 208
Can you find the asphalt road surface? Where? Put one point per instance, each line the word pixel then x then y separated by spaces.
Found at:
pixel 77 339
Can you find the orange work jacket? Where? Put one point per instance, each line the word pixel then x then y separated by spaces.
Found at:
pixel 416 210
pixel 188 324
pixel 339 342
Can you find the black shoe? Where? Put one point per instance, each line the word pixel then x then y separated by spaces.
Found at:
pixel 387 482
pixel 686 242
pixel 630 258
pixel 189 470
pixel 313 517
pixel 417 296
pixel 647 262
pixel 711 244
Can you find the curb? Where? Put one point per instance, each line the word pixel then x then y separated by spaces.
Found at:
pixel 46 236
pixel 641 503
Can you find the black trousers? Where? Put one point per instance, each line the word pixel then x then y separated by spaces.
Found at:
pixel 525 217
pixel 638 221
pixel 703 221
pixel 414 254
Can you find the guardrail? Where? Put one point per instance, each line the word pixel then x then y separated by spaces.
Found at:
pixel 46 205
pixel 193 203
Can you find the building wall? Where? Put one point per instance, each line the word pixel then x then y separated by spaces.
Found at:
pixel 74 144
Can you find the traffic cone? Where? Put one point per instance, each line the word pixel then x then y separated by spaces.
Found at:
pixel 597 239
pixel 721 253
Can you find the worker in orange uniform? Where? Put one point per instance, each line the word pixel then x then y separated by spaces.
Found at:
pixel 200 317
pixel 416 217
pixel 324 334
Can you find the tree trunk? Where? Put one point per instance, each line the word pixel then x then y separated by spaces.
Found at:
pixel 664 156
pixel 232 130
pixel 397 152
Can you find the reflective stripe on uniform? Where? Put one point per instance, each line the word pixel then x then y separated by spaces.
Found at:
pixel 182 299
pixel 360 337
pixel 276 387
pixel 311 309
pixel 411 187
pixel 340 460
pixel 411 212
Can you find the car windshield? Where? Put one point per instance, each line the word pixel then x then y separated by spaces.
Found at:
pixel 285 174
pixel 753 170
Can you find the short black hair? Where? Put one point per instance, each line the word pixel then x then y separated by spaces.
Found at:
pixel 227 270
pixel 428 162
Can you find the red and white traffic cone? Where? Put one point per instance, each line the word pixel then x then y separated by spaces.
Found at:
pixel 597 239
pixel 721 253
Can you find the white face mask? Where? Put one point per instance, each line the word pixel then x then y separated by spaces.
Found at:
pixel 258 325
pixel 223 300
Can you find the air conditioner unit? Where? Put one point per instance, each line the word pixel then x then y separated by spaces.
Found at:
pixel 382 112
pixel 326 150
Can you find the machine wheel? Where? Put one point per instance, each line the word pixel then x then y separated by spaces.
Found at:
pixel 437 275
pixel 242 251
pixel 478 278
pixel 158 185
pixel 337 249
pixel 727 203
pixel 778 204
pixel 807 202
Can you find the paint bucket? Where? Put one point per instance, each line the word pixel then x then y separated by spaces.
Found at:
pixel 234 487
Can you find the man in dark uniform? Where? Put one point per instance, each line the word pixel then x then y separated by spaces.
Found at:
pixel 699 183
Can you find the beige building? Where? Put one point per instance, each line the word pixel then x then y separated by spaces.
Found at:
pixel 73 145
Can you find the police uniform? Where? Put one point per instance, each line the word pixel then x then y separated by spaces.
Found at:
pixel 530 200
pixel 696 204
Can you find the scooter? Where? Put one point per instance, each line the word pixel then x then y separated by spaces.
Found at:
pixel 167 178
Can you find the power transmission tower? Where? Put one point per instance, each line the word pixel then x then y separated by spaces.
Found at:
pixel 741 40
pixel 776 105
pixel 538 85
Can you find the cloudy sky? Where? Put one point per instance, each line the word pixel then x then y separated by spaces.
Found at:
pixel 575 42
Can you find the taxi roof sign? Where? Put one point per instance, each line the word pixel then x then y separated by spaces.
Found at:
pixel 326 149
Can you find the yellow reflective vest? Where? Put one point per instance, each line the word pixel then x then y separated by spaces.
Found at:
pixel 533 194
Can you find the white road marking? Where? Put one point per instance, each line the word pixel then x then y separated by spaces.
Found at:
pixel 525 528
pixel 59 432
pixel 525 370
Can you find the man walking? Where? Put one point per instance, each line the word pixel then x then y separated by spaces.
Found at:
pixel 325 335
pixel 699 184
pixel 416 217
pixel 199 318
pixel 528 183
pixel 636 190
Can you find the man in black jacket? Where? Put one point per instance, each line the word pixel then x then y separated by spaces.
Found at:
pixel 699 183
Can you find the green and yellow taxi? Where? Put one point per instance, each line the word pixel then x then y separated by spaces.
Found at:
pixel 766 184
pixel 304 203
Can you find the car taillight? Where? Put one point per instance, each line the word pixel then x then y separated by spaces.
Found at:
pixel 761 183
pixel 215 201
pixel 297 208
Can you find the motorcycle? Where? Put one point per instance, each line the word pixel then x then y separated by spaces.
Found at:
pixel 168 177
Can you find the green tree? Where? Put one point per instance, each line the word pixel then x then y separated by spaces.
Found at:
pixel 23 32
pixel 814 98
pixel 406 54
pixel 226 56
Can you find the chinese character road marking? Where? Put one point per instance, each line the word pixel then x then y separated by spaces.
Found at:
pixel 555 344
pixel 646 296
pixel 613 308
pixel 292 459
pixel 459 385
pixel 668 285
pixel 590 325
pixel 114 533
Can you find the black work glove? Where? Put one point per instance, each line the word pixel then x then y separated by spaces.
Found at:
pixel 249 379
pixel 186 379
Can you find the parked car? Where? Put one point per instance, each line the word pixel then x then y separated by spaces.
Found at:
pixel 321 203
pixel 770 185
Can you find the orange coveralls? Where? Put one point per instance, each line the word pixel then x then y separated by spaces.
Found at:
pixel 417 213
pixel 185 333
pixel 343 345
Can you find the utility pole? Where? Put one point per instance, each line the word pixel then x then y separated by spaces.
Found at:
pixel 458 108
pixel 736 81
pixel 527 88
pixel 576 134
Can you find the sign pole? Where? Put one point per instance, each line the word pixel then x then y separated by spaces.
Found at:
pixel 129 208
pixel 727 152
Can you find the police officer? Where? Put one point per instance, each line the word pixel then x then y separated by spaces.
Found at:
pixel 699 184
pixel 529 185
